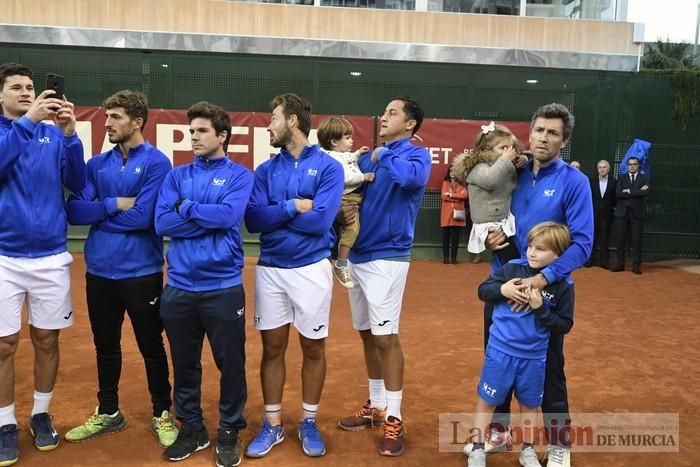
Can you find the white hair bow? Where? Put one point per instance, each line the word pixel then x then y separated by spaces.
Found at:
pixel 486 129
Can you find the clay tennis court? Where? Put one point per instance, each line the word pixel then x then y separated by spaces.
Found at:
pixel 633 348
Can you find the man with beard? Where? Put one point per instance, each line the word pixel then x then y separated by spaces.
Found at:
pixel 36 161
pixel 201 207
pixel 124 258
pixel 295 199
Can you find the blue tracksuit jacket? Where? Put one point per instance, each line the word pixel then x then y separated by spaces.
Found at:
pixel 289 239
pixel 206 251
pixel 391 202
pixel 36 161
pixel 558 193
pixel 525 334
pixel 121 244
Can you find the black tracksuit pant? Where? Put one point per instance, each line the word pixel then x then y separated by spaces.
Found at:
pixel 555 402
pixel 107 299
pixel 220 315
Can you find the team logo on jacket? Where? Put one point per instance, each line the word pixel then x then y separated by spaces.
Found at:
pixel 218 181
pixel 44 140
pixel 312 172
pixel 137 170
pixel 549 193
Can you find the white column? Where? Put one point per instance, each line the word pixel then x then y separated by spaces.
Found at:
pixel 421 5
pixel 523 7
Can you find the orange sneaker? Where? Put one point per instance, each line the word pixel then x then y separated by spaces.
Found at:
pixel 392 444
pixel 365 417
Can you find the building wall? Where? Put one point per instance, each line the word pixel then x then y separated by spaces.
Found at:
pixel 327 23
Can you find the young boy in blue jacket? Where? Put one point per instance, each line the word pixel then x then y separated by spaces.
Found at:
pixel 201 207
pixel 124 258
pixel 36 161
pixel 517 346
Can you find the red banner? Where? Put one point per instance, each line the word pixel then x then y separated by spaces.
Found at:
pixel 250 142
pixel 445 139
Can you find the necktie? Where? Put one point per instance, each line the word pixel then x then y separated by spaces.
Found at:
pixel 633 177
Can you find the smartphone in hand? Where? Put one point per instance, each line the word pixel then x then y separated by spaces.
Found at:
pixel 56 83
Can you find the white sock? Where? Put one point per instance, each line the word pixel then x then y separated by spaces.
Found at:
pixel 377 394
pixel 309 410
pixel 7 415
pixel 273 412
pixel 42 400
pixel 393 403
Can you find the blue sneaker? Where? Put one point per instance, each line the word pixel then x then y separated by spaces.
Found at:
pixel 311 441
pixel 269 437
pixel 43 431
pixel 8 444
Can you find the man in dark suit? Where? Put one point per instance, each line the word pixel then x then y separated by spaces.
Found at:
pixel 631 192
pixel 603 194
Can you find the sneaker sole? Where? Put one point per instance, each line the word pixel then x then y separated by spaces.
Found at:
pixel 106 431
pixel 309 453
pixel 197 449
pixel 360 427
pixel 222 465
pixel 392 454
pixel 258 455
pixel 9 462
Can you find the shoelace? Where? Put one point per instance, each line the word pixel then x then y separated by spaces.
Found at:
pixel 364 411
pixel 42 423
pixel 557 455
pixel 267 432
pixel 8 438
pixel 309 431
pixel 392 430
pixel 164 424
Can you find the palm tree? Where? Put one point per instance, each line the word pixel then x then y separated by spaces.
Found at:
pixel 667 55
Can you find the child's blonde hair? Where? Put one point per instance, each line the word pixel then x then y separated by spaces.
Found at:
pixel 555 236
pixel 332 128
pixel 483 150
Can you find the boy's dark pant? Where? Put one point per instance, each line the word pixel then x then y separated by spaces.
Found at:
pixel 220 314
pixel 555 403
pixel 107 299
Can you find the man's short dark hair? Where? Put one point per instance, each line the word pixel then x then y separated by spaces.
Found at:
pixel 134 103
pixel 555 110
pixel 295 105
pixel 633 158
pixel 413 111
pixel 13 69
pixel 218 117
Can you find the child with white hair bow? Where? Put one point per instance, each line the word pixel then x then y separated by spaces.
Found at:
pixel 489 173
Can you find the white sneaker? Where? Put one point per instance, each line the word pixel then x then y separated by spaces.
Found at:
pixel 499 441
pixel 343 275
pixel 476 458
pixel 528 458
pixel 558 456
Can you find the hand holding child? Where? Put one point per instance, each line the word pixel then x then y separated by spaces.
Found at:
pixel 514 291
pixel 369 176
pixel 535 297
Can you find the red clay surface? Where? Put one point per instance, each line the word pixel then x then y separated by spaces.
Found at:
pixel 633 348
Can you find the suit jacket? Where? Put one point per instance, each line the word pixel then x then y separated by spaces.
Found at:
pixel 635 201
pixel 603 205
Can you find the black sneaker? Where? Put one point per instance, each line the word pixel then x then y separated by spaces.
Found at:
pixel 227 454
pixel 188 441
pixel 44 434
